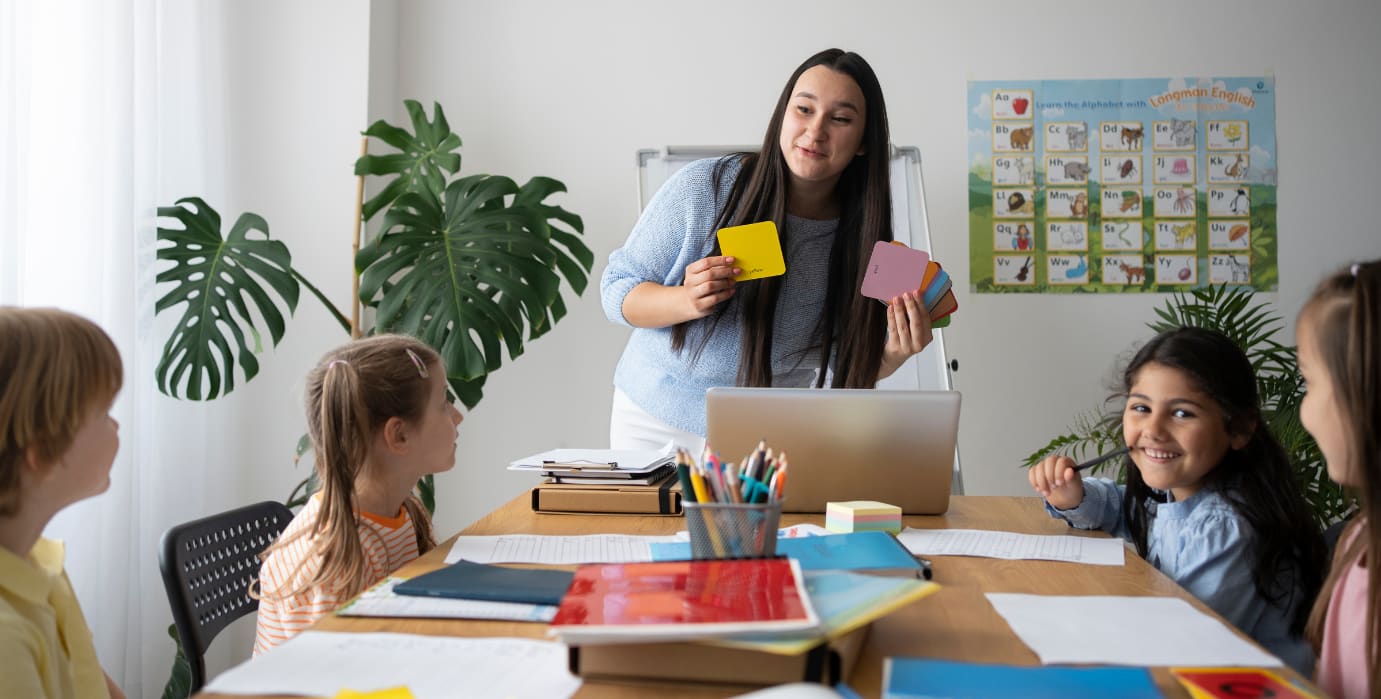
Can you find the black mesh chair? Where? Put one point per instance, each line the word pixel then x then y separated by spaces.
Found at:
pixel 208 566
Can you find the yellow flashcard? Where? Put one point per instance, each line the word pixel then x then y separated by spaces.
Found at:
pixel 755 248
pixel 391 693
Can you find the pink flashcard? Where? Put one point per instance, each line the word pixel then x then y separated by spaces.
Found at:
pixel 894 270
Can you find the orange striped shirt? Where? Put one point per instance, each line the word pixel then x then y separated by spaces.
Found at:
pixel 388 543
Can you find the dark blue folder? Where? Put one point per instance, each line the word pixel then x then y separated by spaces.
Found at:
pixel 477 581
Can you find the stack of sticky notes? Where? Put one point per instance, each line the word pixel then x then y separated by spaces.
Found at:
pixel 862 516
pixel 895 269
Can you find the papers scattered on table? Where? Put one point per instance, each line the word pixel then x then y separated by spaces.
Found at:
pixel 1111 630
pixel 555 550
pixel 318 663
pixel 381 600
pixel 1013 546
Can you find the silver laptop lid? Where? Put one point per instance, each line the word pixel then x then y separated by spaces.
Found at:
pixel 895 447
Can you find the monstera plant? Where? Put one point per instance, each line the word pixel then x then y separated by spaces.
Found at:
pixel 472 265
pixel 1254 327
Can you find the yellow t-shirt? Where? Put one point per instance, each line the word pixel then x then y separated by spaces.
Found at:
pixel 46 649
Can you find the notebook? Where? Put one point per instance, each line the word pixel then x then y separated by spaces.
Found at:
pixel 683 600
pixel 845 444
pixel 478 581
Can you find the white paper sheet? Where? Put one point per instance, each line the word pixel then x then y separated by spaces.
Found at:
pixel 630 460
pixel 319 663
pixel 1138 631
pixel 1013 546
pixel 554 550
pixel 381 600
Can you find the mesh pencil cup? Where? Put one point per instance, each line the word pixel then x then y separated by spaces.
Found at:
pixel 733 530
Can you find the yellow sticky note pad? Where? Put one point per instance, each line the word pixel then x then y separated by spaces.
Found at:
pixel 391 693
pixel 755 248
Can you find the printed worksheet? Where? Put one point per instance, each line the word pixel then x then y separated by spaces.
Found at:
pixel 555 550
pixel 1111 630
pixel 1013 546
pixel 320 664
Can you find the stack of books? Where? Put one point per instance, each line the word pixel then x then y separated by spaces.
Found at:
pixel 604 481
pixel 746 621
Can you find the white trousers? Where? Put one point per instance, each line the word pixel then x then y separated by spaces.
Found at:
pixel 630 427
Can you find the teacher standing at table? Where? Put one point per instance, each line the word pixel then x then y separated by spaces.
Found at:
pixel 821 176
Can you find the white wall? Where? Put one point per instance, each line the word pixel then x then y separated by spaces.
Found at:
pixel 571 90
pixel 294 109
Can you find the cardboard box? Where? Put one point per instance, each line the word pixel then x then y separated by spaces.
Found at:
pixel 660 498
pixel 827 663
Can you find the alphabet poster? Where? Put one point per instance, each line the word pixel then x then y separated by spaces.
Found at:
pixel 1122 186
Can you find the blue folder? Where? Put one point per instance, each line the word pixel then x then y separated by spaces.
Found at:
pixel 870 551
pixel 921 678
pixel 477 581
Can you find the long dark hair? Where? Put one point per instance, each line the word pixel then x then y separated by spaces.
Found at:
pixel 759 193
pixel 1288 552
pixel 1343 319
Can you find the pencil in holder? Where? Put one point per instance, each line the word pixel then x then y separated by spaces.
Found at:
pixel 733 530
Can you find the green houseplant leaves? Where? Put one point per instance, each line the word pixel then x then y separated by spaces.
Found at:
pixel 424 160
pixel 215 277
pixel 468 273
pixel 1253 326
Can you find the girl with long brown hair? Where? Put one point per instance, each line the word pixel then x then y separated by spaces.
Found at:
pixel 379 418
pixel 1339 337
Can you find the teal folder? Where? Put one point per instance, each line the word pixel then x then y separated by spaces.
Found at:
pixel 865 552
pixel 921 678
pixel 477 581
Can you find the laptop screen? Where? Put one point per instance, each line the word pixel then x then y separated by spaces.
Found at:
pixel 895 447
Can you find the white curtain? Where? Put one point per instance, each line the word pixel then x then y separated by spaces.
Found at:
pixel 109 111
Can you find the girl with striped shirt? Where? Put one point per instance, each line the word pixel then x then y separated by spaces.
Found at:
pixel 379 419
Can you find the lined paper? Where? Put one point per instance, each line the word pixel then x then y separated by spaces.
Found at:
pixel 1013 546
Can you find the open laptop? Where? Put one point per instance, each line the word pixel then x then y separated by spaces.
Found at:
pixel 891 446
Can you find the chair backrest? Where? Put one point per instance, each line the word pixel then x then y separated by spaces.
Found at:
pixel 208 566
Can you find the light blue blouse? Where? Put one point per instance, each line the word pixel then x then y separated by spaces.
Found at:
pixel 676 229
pixel 1205 546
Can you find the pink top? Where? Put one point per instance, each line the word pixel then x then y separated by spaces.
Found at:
pixel 1343 658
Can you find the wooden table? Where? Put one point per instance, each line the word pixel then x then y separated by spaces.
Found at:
pixel 955 623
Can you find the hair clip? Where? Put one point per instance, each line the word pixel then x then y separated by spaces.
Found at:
pixel 334 362
pixel 1355 266
pixel 416 360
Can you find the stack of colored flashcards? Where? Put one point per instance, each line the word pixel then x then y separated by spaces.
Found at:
pixel 862 516
pixel 895 269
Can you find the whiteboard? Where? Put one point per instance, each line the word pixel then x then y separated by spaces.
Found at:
pixel 929 370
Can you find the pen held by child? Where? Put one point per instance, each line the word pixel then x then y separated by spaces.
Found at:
pixel 1100 459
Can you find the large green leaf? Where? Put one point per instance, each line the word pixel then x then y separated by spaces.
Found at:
pixel 472 273
pixel 179 685
pixel 218 280
pixel 424 161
